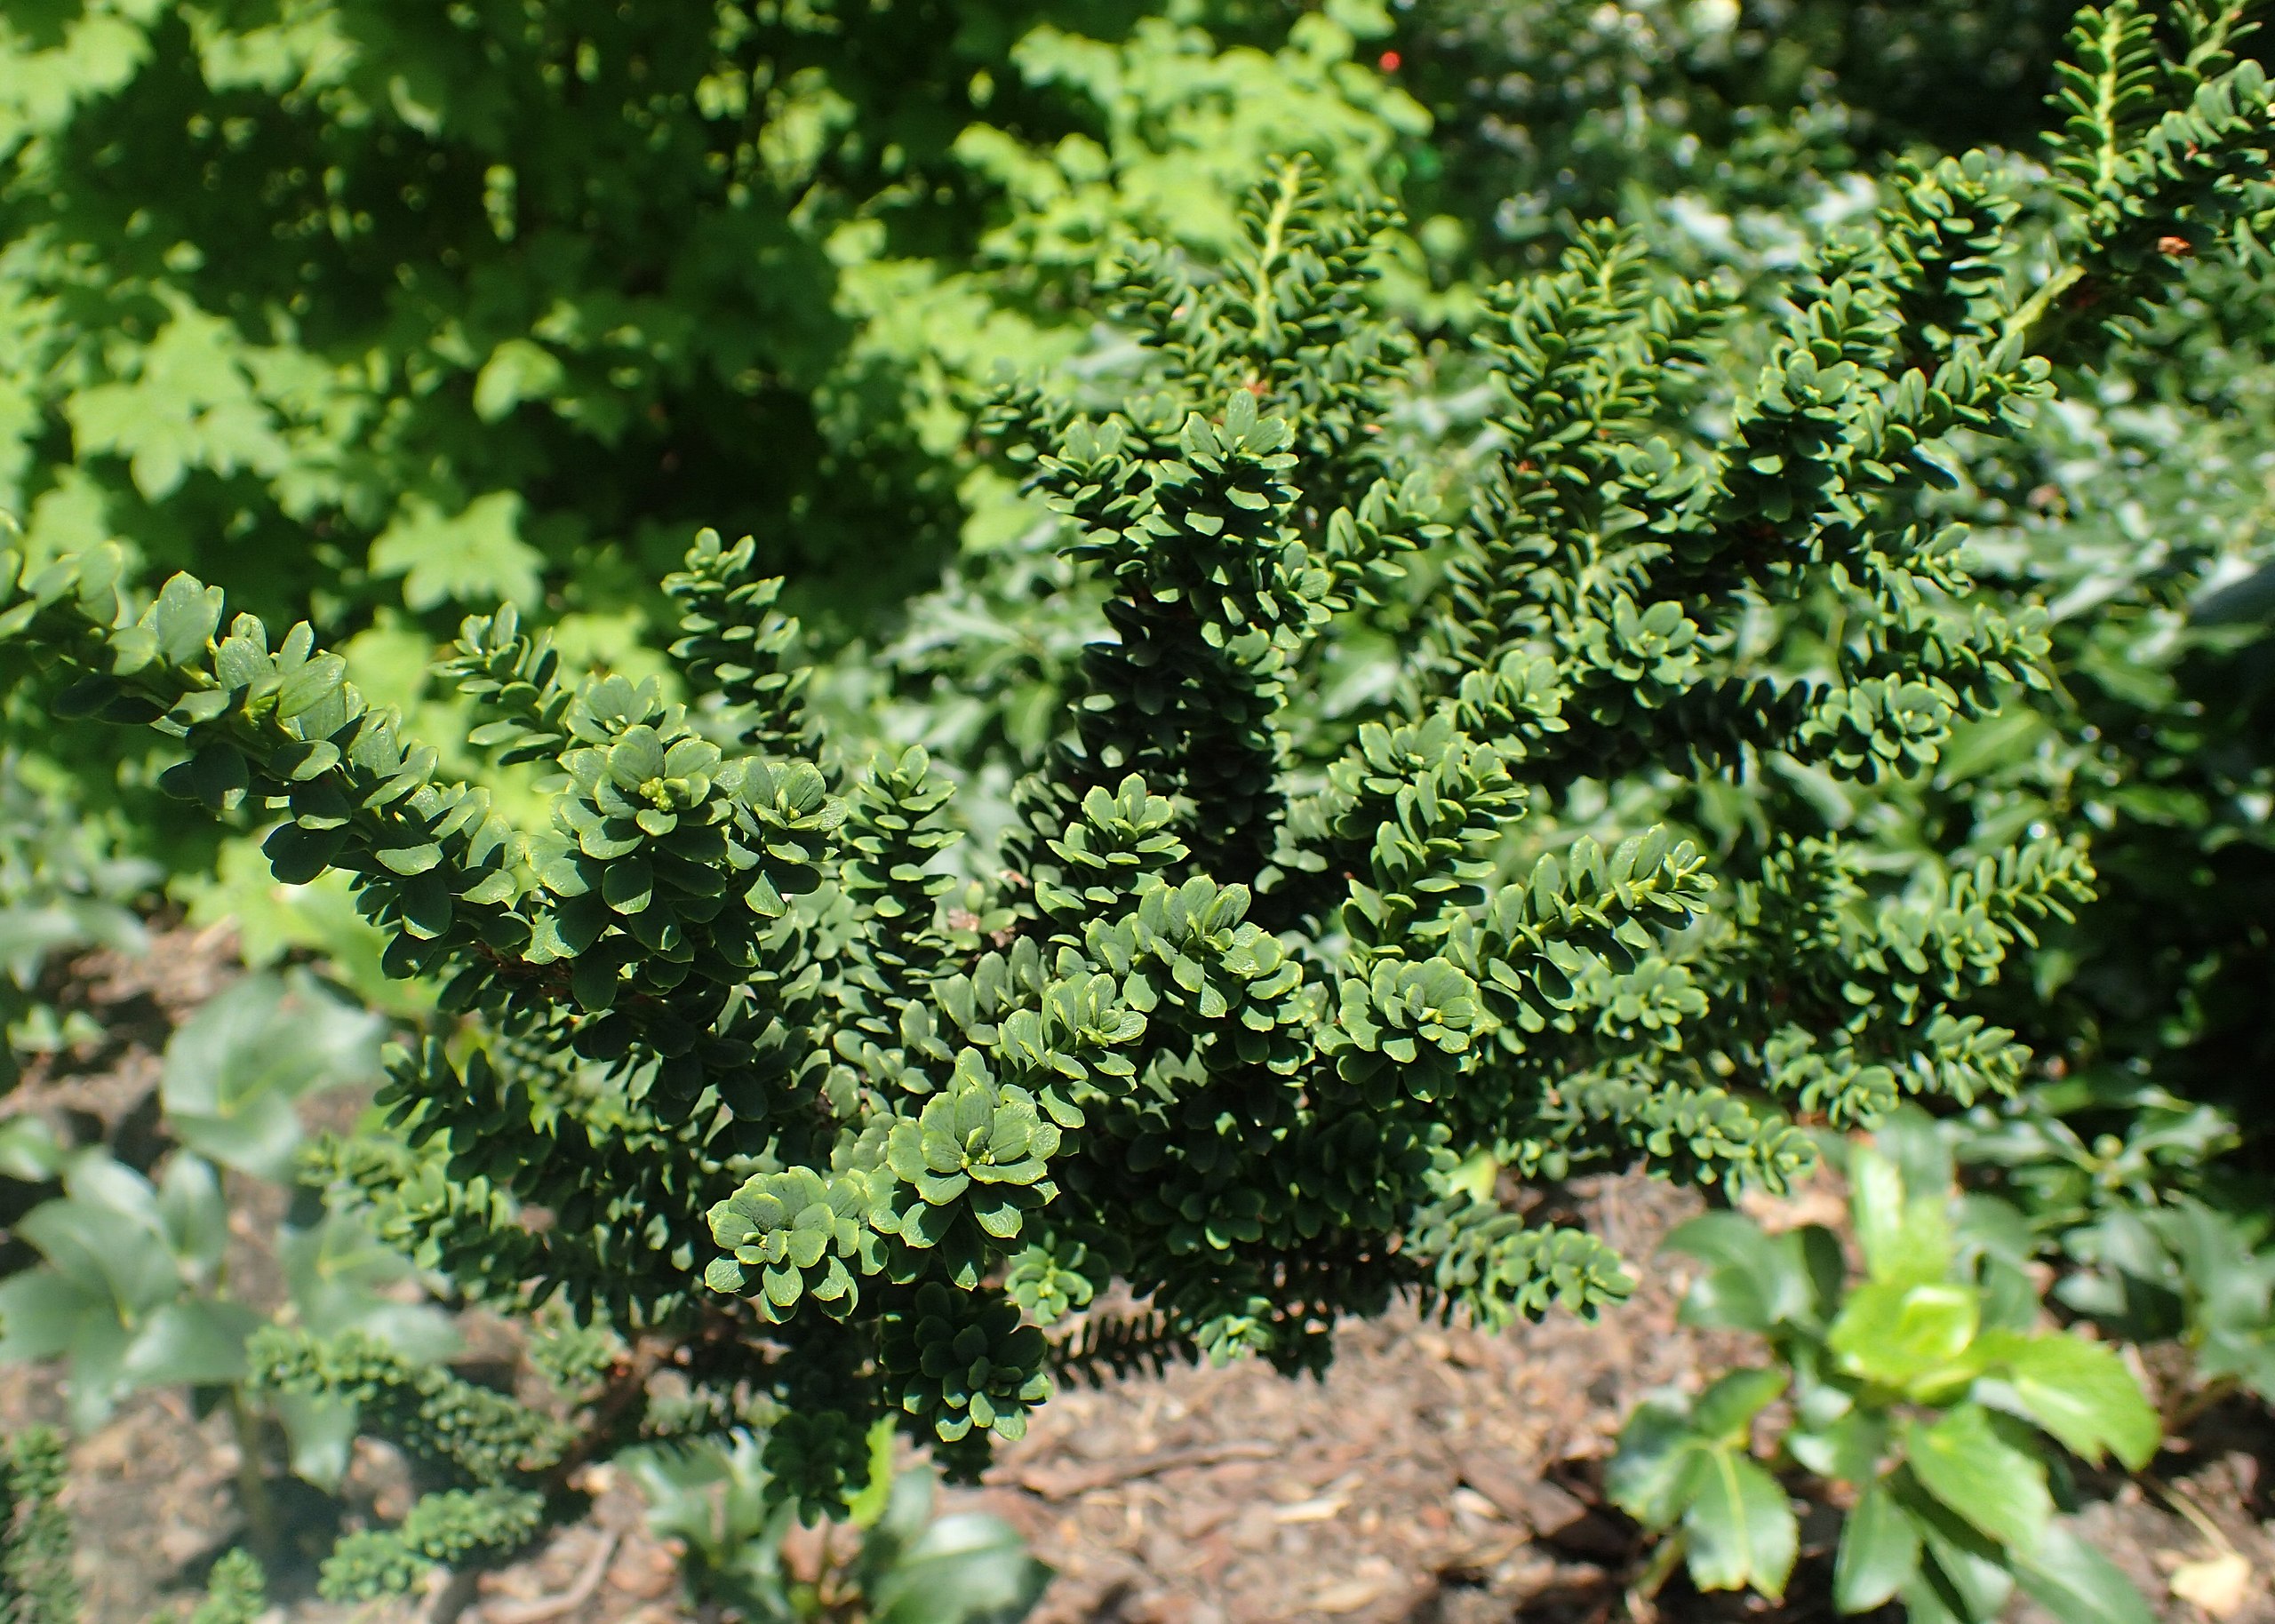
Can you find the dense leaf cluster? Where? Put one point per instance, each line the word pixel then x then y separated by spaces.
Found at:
pixel 1275 1006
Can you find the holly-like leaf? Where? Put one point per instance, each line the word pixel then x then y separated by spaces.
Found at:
pixel 960 1570
pixel 233 1070
pixel 1753 1282
pixel 1906 1236
pixel 319 1436
pixel 1964 1576
pixel 341 1278
pixel 1726 1409
pixel 1650 1475
pixel 1996 1488
pixel 196 1216
pixel 1878 1554
pixel 29 1149
pixel 1740 1529
pixel 1848 1449
pixel 120 1257
pixel 191 1340
pixel 2072 1581
pixel 42 1312
pixel 1919 1337
pixel 2082 1393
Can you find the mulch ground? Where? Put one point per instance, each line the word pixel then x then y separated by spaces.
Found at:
pixel 1437 1474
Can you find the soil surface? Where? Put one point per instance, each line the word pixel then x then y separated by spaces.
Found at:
pixel 1437 1475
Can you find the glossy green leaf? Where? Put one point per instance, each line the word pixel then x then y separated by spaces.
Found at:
pixel 1906 1335
pixel 1961 1576
pixel 1905 1235
pixel 193 1211
pixel 29 1149
pixel 960 1570
pixel 1995 1487
pixel 1849 1448
pixel 2065 1574
pixel 233 1069
pixel 1740 1528
pixel 1878 1552
pixel 118 1258
pixel 319 1436
pixel 43 1312
pixel 1726 1409
pixel 2082 1393
pixel 1751 1283
pixel 311 685
pixel 1650 1476
pixel 341 1279
pixel 190 1340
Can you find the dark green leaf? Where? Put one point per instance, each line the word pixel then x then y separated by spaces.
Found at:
pixel 1878 1554
pixel 1726 1408
pixel 1741 1532
pixel 193 1340
pixel 1994 1486
pixel 2082 1393
pixel 2072 1581
pixel 1650 1476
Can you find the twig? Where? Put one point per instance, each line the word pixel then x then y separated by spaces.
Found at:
pixel 1642 1595
pixel 451 1591
pixel 263 1531
pixel 539 1608
pixel 626 1386
pixel 2184 1406
pixel 1067 1482
pixel 2188 1507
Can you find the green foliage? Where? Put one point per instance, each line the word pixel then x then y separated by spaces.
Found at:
pixel 890 1561
pixel 2133 512
pixel 492 1449
pixel 376 320
pixel 1722 123
pixel 1405 823
pixel 446 1527
pixel 1926 1389
pixel 125 1289
pixel 483 1438
pixel 2184 1271
pixel 471 296
pixel 2159 631
pixel 234 1069
pixel 1278 990
pixel 133 1287
pixel 63 888
pixel 237 1591
pixel 37 1586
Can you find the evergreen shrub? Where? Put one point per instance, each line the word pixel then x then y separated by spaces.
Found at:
pixel 1277 1004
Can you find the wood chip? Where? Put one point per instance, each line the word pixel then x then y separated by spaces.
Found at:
pixel 1468 1502
pixel 1312 1511
pixel 581 1589
pixel 1067 1482
pixel 2221 1585
pixel 1350 1595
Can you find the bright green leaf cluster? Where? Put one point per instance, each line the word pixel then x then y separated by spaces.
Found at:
pixel 1928 1387
pixel 37 1584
